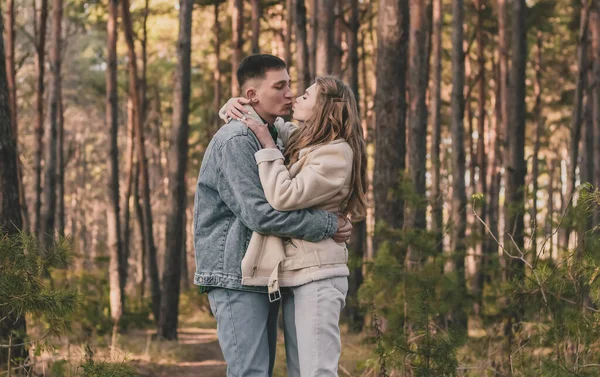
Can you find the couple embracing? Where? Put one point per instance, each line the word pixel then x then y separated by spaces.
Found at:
pixel 272 214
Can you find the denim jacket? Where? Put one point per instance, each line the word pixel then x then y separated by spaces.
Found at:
pixel 230 204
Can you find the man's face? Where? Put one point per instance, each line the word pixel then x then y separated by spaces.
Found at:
pixel 273 95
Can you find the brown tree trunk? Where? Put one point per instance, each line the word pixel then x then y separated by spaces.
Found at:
pixel 237 43
pixel 49 205
pixel 550 217
pixel 352 37
pixel 459 197
pixel 217 72
pixel 437 223
pixel 325 45
pixel 129 174
pixel 595 28
pixel 313 36
pixel 115 250
pixel 178 155
pixel 577 118
pixel 12 92
pixel 256 14
pixel 338 30
pixel 60 162
pixel 535 169
pixel 481 187
pixel 40 48
pixel 289 25
pixel 10 209
pixel 142 160
pixel 390 110
pixel 302 56
pixel 417 80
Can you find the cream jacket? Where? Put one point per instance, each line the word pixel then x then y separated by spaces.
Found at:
pixel 320 179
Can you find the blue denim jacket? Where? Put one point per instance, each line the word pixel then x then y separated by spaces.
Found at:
pixel 230 204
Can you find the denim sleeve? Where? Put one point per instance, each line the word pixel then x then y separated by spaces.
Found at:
pixel 240 188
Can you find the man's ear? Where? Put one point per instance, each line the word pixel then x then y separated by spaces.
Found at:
pixel 252 94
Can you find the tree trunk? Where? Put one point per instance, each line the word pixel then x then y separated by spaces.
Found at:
pixel 550 217
pixel 125 200
pixel 40 48
pixel 577 118
pixel 313 35
pixel 10 209
pixel 256 14
pixel 481 187
pixel 437 223
pixel 12 92
pixel 115 250
pixel 390 109
pixel 302 56
pixel 325 45
pixel 537 109
pixel 338 30
pixel 595 27
pixel 459 197
pixel 289 24
pixel 49 206
pixel 352 38
pixel 178 153
pixel 217 72
pixel 237 43
pixel 142 160
pixel 418 77
pixel 60 162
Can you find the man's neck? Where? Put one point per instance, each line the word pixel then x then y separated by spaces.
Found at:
pixel 270 119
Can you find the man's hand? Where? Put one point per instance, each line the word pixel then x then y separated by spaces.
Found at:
pixel 344 230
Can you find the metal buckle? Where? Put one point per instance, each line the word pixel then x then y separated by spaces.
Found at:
pixel 275 296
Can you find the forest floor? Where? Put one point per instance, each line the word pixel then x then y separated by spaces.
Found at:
pixel 196 353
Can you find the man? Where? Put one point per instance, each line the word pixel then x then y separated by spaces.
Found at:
pixel 229 205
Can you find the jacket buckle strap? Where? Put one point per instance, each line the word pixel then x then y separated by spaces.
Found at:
pixel 274 291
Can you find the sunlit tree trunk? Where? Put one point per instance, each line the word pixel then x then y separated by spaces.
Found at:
pixel 48 224
pixel 178 153
pixel 142 160
pixel 302 55
pixel 256 14
pixel 237 43
pixel 325 45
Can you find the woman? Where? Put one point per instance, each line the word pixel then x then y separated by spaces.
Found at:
pixel 323 166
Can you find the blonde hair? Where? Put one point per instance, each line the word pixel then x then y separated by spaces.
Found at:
pixel 335 116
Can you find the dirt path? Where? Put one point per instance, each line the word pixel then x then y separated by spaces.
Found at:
pixel 199 355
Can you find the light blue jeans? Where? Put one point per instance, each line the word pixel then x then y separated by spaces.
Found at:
pixel 311 316
pixel 247 331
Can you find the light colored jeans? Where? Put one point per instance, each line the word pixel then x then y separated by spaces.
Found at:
pixel 247 331
pixel 311 316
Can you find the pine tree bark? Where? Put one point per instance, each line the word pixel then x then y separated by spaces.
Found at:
pixel 325 45
pixel 49 205
pixel 577 118
pixel 256 14
pixel 535 165
pixel 12 92
pixel 217 72
pixel 338 30
pixel 10 209
pixel 40 48
pixel 60 162
pixel 178 155
pixel 313 36
pixel 115 250
pixel 142 160
pixel 418 78
pixel 302 55
pixel 352 37
pixel 390 109
pixel 481 187
pixel 289 27
pixel 459 197
pixel 437 223
pixel 126 198
pixel 595 28
pixel 237 43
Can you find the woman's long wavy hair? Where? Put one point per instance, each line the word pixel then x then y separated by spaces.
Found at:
pixel 335 116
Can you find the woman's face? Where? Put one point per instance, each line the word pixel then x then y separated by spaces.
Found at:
pixel 304 105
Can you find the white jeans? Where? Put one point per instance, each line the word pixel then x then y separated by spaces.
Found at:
pixel 311 316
